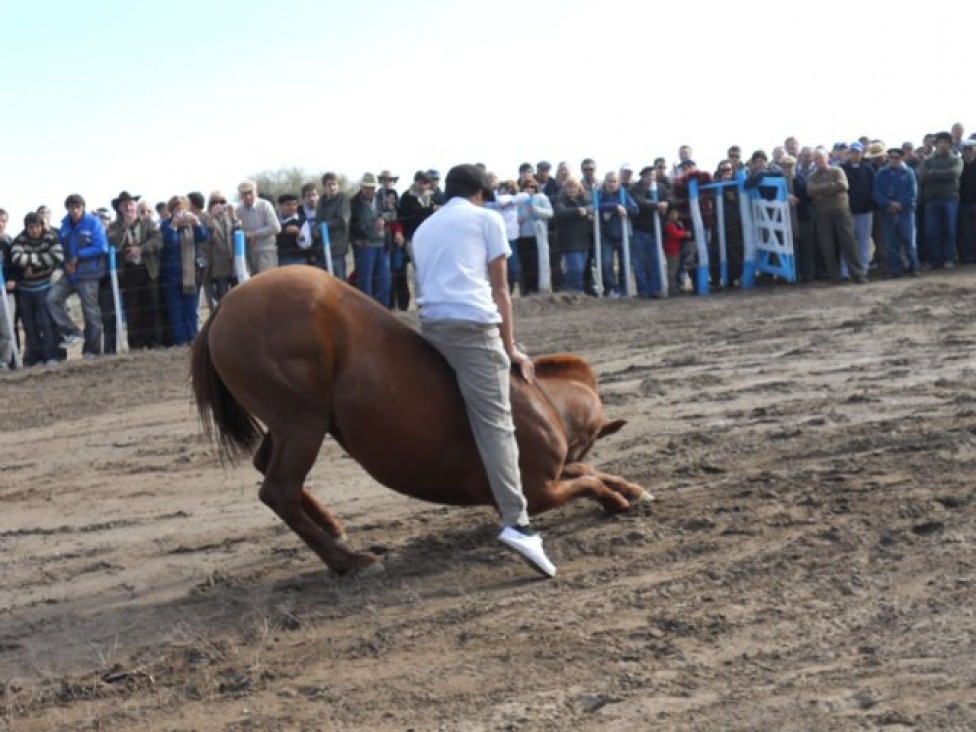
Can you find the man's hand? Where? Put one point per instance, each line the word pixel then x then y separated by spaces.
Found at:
pixel 524 363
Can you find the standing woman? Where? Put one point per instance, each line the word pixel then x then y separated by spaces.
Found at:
pixel 183 233
pixel 533 217
pixel 574 224
pixel 218 251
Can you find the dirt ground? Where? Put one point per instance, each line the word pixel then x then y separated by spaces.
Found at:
pixel 809 564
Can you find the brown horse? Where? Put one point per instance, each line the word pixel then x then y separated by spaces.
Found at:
pixel 295 354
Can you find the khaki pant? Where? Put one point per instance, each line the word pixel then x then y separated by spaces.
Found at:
pixel 261 260
pixel 835 236
pixel 483 371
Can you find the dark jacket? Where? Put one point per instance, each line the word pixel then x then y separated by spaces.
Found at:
pixel 335 212
pixel 575 231
pixel 611 223
pixel 363 215
pixel 967 184
pixel 413 212
pixel 646 208
pixel 860 191
pixel 939 177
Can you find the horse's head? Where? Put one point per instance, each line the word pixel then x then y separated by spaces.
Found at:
pixel 571 386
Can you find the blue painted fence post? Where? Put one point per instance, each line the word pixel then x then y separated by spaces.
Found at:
pixel 326 246
pixel 662 262
pixel 9 318
pixel 749 250
pixel 113 271
pixel 240 258
pixel 597 244
pixel 699 229
pixel 625 224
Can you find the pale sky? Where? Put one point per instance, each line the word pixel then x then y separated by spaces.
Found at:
pixel 160 98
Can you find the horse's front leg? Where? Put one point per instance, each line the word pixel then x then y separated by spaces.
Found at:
pixel 559 492
pixel 631 491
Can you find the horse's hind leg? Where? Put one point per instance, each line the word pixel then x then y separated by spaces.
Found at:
pixel 282 491
pixel 321 515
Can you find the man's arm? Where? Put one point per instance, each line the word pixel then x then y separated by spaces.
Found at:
pixel 498 276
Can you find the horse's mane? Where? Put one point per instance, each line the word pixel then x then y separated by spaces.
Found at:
pixel 566 366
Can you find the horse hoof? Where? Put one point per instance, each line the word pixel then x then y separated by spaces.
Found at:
pixel 370 570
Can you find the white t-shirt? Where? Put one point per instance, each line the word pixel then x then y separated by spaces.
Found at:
pixel 451 252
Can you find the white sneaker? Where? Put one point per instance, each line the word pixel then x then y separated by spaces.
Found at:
pixel 69 340
pixel 528 545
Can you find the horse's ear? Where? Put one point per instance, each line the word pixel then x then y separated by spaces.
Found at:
pixel 611 427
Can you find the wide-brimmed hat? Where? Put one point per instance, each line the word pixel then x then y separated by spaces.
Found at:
pixel 387 175
pixel 875 149
pixel 368 181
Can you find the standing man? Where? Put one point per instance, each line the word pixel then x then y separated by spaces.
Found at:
pixel 261 227
pixel 333 211
pixel 860 189
pixel 827 188
pixel 139 243
pixel 367 229
pixel 85 252
pixel 6 349
pixel 466 314
pixel 939 176
pixel 895 192
pixel 309 225
pixel 967 203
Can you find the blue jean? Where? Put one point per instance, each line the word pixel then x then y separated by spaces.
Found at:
pixel 182 308
pixel 373 273
pixel 339 269
pixel 57 305
pixel 39 333
pixel 574 263
pixel 967 232
pixel 940 230
pixel 899 234
pixel 514 267
pixel 862 233
pixel 645 260
pixel 607 249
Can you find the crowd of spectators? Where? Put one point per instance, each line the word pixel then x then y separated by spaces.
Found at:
pixel 857 210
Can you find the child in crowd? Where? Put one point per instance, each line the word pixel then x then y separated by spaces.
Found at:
pixel 675 234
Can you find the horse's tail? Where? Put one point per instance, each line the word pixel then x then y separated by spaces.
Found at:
pixel 224 420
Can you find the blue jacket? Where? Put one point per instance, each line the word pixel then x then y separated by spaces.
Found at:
pixel 612 228
pixel 86 242
pixel 896 185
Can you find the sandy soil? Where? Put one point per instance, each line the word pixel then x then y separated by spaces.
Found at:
pixel 809 563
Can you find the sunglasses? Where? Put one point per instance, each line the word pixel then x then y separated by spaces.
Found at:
pixel 589 170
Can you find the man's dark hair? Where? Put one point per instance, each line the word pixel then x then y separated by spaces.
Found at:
pixel 160 207
pixel 308 188
pixel 32 218
pixel 74 199
pixel 197 199
pixel 329 178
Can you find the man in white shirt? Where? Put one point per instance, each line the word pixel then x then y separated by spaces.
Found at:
pixel 460 255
